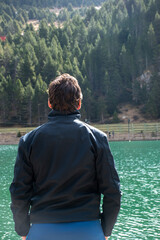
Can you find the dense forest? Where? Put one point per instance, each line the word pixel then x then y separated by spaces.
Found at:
pixel 114 52
pixel 53 3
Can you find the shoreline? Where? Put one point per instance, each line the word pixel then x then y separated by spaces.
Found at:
pixel 12 139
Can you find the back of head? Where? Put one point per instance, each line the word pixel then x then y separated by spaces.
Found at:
pixel 65 93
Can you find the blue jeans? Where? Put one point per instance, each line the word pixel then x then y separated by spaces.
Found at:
pixel 88 230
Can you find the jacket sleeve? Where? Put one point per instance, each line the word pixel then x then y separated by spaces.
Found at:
pixel 109 186
pixel 21 191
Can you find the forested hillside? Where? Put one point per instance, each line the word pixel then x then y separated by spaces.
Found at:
pixel 53 3
pixel 114 52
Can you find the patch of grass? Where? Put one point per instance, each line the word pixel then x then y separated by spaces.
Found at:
pixel 121 128
pixel 15 130
pixel 124 128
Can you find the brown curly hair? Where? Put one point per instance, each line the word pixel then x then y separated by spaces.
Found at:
pixel 64 93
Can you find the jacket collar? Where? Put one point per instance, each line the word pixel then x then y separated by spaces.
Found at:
pixel 53 113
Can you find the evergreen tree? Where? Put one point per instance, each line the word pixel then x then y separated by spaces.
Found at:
pixel 151 41
pixel 43 29
pixel 27 70
pixel 40 99
pixel 153 105
pixel 18 93
pixel 28 99
pixel 3 98
pixel 157 26
pixel 50 68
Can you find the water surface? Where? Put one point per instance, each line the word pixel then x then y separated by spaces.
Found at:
pixel 138 164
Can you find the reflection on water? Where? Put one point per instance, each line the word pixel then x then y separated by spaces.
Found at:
pixel 138 164
pixel 7 158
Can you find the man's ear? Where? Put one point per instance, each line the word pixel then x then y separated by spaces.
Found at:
pixel 49 104
pixel 79 105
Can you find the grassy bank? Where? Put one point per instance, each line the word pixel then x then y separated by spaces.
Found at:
pixel 131 131
pixel 133 128
pixel 16 130
pixel 115 132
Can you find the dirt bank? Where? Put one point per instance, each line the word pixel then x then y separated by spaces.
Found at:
pixel 8 139
pixel 12 139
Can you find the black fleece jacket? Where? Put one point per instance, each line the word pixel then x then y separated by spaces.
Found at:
pixel 61 170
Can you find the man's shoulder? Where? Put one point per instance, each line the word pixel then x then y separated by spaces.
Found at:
pixel 95 131
pixel 27 138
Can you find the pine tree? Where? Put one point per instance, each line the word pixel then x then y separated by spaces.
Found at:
pixel 1 54
pixel 153 104
pixel 43 29
pixel 26 70
pixel 42 52
pixel 3 98
pixel 8 55
pixel 49 70
pixel 40 99
pixel 28 98
pixel 18 92
pixel 157 26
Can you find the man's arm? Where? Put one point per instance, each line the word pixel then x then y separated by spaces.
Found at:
pixel 21 191
pixel 109 185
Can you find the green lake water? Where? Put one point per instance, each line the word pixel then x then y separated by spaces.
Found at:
pixel 138 165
